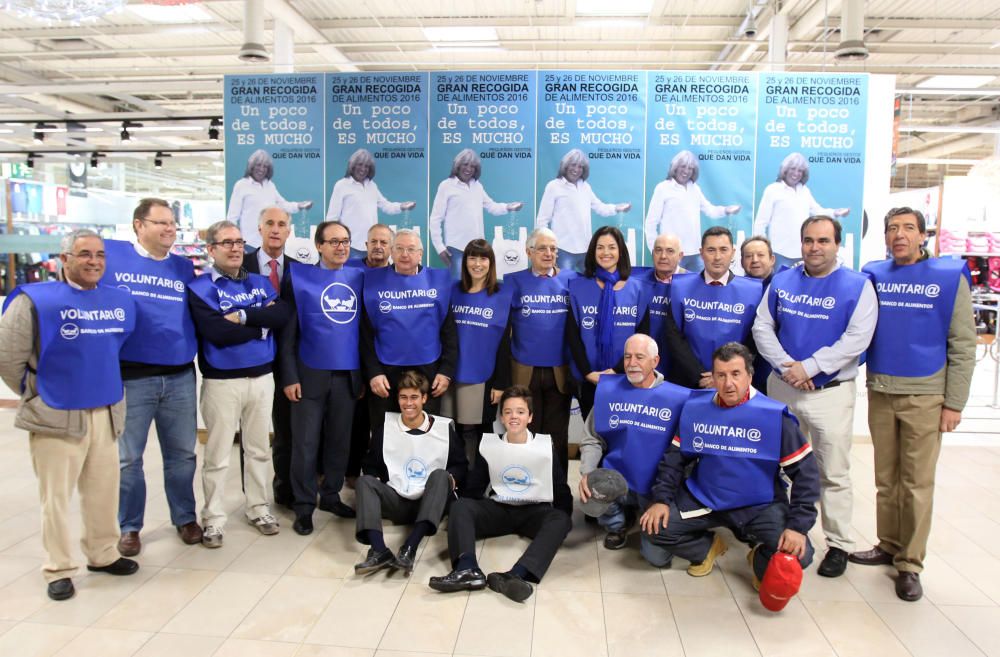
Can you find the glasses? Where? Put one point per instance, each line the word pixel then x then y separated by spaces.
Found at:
pixel 87 255
pixel 230 244
pixel 408 250
pixel 161 224
pixel 336 242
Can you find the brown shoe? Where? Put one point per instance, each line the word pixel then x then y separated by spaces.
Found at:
pixel 129 544
pixel 908 587
pixel 190 533
pixel 873 557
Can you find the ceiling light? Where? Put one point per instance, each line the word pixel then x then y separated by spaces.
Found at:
pixel 30 161
pixel 213 129
pixel 94 161
pixel 178 13
pixel 158 161
pixel 38 137
pixel 461 34
pixel 613 7
pixel 63 11
pixel 955 81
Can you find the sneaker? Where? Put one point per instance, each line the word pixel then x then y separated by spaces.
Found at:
pixel 753 575
pixel 265 524
pixel 615 540
pixel 211 537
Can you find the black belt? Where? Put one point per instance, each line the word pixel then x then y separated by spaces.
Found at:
pixel 832 384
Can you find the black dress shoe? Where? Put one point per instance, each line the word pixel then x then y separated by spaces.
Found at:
pixel 374 561
pixel 509 585
pixel 908 587
pixel 470 579
pixel 121 567
pixel 303 525
pixel 405 558
pixel 615 540
pixel 873 557
pixel 338 509
pixel 61 589
pixel 834 563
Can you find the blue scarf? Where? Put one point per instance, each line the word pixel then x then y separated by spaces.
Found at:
pixel 606 319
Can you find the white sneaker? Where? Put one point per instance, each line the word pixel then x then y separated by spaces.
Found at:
pixel 211 537
pixel 265 524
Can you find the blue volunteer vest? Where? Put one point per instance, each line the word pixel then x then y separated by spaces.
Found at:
pixel 709 316
pixel 480 319
pixel 164 333
pixel 657 300
pixel 226 296
pixel 539 307
pixel 915 304
pixel 738 449
pixel 584 299
pixel 407 313
pixel 80 336
pixel 328 305
pixel 812 313
pixel 638 425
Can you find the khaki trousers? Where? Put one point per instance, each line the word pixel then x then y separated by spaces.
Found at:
pixel 89 464
pixel 907 443
pixel 827 419
pixel 228 406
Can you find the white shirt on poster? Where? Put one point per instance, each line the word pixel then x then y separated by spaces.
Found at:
pixel 356 205
pixel 457 213
pixel 677 209
pixel 565 208
pixel 248 200
pixel 780 215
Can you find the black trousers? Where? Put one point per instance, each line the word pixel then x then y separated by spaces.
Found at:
pixel 361 435
pixel 473 519
pixel 281 446
pixel 375 500
pixel 551 412
pixel 321 430
pixel 585 395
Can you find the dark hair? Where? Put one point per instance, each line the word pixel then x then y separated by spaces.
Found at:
pixel 145 205
pixel 481 248
pixel 817 218
pixel 758 238
pixel 517 392
pixel 895 212
pixel 413 380
pixel 732 350
pixel 323 225
pixel 716 231
pixel 624 261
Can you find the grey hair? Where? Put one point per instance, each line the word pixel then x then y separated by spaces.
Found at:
pixel 213 231
pixel 794 159
pixel 392 233
pixel 540 232
pixel 407 231
pixel 69 239
pixel 575 156
pixel 260 156
pixel 652 349
pixel 467 156
pixel 260 217
pixel 684 157
pixel 361 156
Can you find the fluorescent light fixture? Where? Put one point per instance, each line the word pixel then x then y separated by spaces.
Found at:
pixel 461 34
pixel 613 7
pixel 165 128
pixel 956 81
pixel 189 13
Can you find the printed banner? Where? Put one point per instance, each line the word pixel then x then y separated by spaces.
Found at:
pixel 274 149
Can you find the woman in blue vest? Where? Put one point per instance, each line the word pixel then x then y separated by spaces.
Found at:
pixel 481 307
pixel 607 308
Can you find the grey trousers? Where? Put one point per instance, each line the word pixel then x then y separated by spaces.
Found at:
pixel 375 500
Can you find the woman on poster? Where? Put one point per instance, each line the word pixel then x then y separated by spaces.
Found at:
pixel 254 192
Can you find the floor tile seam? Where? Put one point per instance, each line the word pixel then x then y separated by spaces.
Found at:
pixel 147 583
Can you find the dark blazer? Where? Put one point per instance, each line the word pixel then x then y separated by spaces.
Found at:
pixel 251 265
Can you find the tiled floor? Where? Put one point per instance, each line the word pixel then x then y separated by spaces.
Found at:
pixel 288 595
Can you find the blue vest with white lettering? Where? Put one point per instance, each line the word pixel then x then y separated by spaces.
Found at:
pixel 328 305
pixel 407 313
pixel 164 333
pixel 226 296
pixel 738 449
pixel 812 313
pixel 481 320
pixel 80 336
pixel 584 299
pixel 637 424
pixel 539 308
pixel 658 301
pixel 915 304
pixel 709 316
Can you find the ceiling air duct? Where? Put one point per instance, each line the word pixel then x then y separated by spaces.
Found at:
pixel 852 31
pixel 253 49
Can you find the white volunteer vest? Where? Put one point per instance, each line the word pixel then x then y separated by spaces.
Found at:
pixel 411 459
pixel 519 474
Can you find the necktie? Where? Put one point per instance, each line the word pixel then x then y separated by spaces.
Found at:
pixel 274 275
pixel 712 283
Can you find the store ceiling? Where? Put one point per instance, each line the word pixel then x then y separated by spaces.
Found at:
pixel 134 65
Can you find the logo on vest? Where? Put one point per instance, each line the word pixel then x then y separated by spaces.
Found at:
pixel 828 303
pixel 339 303
pixel 931 290
pixel 69 331
pixel 148 279
pixel 385 307
pixel 415 469
pixel 525 311
pixel 225 305
pixel 753 435
pixel 587 323
pixel 613 421
pixel 302 253
pixel 689 314
pixel 511 256
pixel 516 479
pixel 698 443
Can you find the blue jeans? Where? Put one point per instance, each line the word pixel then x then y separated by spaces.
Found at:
pixel 571 261
pixel 456 263
pixel 170 402
pixel 614 520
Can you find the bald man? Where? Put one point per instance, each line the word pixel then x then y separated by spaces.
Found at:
pixel 667 254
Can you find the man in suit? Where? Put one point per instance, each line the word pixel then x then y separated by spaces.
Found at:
pixel 275 227
pixel 321 372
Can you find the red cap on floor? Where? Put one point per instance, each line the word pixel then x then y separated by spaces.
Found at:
pixel 781 582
